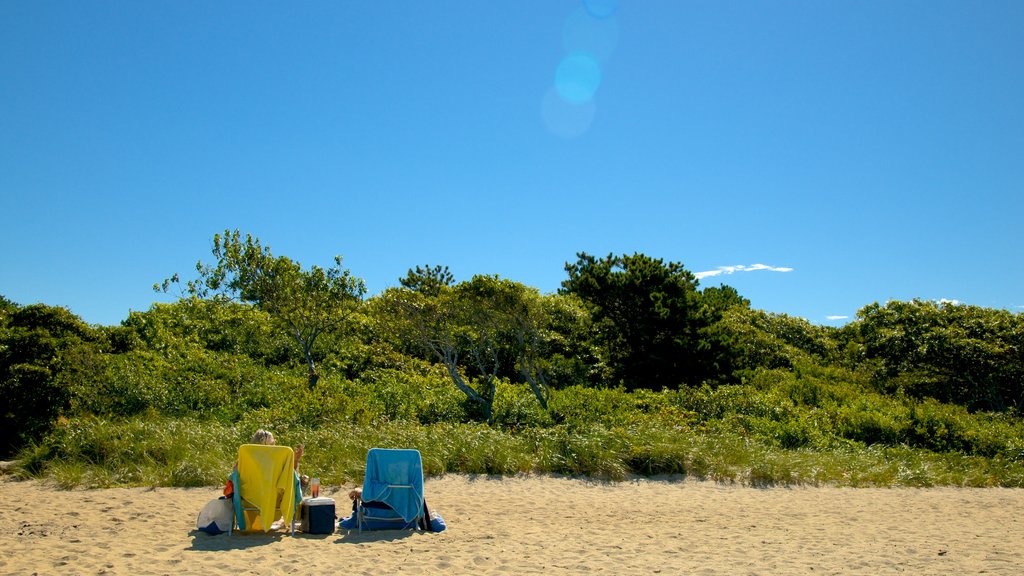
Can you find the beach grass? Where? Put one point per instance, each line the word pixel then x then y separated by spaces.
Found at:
pixel 161 451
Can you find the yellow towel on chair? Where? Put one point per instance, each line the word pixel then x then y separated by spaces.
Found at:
pixel 265 472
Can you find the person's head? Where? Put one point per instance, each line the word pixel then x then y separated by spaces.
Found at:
pixel 263 437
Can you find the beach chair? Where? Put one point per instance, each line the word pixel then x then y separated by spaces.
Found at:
pixel 266 487
pixel 392 495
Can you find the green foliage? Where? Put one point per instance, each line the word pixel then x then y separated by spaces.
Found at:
pixel 45 353
pixel 951 352
pixel 215 326
pixel 912 394
pixel 159 451
pixel 579 407
pixel 872 420
pixel 428 280
pixel 484 332
pixel 567 355
pixel 148 450
pixel 425 397
pixel 302 303
pixel 649 319
pixel 758 339
pixel 516 408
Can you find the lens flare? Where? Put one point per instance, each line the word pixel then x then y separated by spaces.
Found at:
pixel 584 33
pixel 577 78
pixel 601 8
pixel 566 120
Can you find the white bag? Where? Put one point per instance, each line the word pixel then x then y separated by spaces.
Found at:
pixel 217 516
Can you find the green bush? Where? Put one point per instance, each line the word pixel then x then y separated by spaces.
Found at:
pixel 950 428
pixel 423 396
pixel 516 406
pixel 872 420
pixel 608 407
pixel 166 400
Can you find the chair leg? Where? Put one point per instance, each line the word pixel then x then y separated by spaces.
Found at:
pixel 359 516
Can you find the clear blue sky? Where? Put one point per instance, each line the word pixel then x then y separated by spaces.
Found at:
pixel 858 151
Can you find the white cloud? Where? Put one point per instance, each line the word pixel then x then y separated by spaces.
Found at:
pixel 948 301
pixel 836 317
pixel 740 268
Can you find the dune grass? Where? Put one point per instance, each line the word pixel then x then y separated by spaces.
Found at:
pixel 184 452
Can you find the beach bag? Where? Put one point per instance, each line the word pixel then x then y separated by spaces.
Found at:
pixel 437 523
pixel 216 517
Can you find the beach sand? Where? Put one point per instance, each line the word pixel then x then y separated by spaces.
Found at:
pixel 535 525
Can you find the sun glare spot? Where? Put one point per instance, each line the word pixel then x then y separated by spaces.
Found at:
pixel 584 33
pixel 577 78
pixel 564 119
pixel 589 37
pixel 601 8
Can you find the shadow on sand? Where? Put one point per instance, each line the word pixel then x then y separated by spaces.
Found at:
pixel 203 542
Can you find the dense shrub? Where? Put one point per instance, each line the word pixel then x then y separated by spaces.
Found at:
pixel 577 406
pixel 167 398
pixel 45 352
pixel 953 353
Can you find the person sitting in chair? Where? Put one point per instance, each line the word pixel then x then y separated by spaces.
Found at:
pixel 265 437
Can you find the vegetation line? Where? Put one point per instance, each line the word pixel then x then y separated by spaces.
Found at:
pixel 631 368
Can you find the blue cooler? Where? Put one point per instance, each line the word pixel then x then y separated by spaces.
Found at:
pixel 318 515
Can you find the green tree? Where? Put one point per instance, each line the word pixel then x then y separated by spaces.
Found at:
pixel 303 303
pixel 509 320
pixel 957 353
pixel 483 331
pixel 568 355
pixel 647 317
pixel 436 325
pixel 429 280
pixel 46 352
pixel 213 325
pixel 6 308
pixel 759 339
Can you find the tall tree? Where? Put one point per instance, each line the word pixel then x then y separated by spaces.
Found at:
pixel 482 331
pixel 647 318
pixel 303 303
pixel 510 318
pixel 436 324
pixel 429 280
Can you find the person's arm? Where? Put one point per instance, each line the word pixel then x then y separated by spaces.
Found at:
pixel 298 455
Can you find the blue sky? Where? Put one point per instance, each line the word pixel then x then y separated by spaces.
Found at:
pixel 817 156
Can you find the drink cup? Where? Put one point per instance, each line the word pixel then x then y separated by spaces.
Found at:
pixel 314 487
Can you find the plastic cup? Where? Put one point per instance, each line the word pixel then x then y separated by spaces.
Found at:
pixel 314 487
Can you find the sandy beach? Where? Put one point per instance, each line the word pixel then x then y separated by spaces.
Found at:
pixel 536 525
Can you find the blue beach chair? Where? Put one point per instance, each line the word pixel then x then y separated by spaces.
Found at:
pixel 392 492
